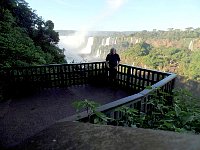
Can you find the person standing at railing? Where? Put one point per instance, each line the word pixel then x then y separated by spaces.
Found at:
pixel 112 62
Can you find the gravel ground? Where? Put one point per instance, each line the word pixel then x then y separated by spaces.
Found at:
pixel 21 118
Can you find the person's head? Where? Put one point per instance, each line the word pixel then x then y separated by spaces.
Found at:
pixel 112 50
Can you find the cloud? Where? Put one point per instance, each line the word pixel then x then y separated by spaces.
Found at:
pixel 115 4
pixel 111 7
pixel 76 41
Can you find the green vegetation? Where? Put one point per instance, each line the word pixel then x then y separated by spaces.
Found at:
pixel 181 61
pixel 182 116
pixel 171 34
pixel 90 107
pixel 25 38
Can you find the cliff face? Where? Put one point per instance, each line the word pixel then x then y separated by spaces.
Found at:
pixel 191 44
pixel 102 45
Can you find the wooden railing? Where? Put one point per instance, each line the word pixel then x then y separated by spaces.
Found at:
pixel 137 78
pixel 137 101
pixel 22 79
pixel 132 78
pixel 144 82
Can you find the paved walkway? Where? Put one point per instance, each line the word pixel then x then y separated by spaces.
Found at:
pixel 21 118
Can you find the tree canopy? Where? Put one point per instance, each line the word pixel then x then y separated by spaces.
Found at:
pixel 25 38
pixel 172 59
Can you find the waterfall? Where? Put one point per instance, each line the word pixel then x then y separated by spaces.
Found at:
pixel 138 41
pixel 98 53
pixel 71 45
pixel 88 48
pixel 103 42
pixel 191 45
pixel 107 41
pixel 72 57
pixel 115 41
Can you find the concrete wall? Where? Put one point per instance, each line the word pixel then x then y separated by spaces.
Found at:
pixel 83 136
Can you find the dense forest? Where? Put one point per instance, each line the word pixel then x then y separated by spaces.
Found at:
pixel 25 38
pixel 181 61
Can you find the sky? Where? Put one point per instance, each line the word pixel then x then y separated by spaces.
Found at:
pixel 119 15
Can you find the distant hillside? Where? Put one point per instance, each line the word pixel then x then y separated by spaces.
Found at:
pixel 95 33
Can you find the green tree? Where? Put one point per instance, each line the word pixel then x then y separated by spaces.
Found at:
pixel 25 38
pixel 17 49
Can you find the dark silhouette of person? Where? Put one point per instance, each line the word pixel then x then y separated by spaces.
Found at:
pixel 112 62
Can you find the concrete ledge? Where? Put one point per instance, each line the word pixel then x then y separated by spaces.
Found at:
pixel 84 136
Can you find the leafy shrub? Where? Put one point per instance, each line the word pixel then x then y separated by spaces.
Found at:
pixel 182 116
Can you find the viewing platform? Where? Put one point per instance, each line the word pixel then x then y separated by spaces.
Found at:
pixel 22 117
pixel 39 96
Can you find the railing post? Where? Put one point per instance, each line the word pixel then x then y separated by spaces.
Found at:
pixel 105 72
pixel 128 77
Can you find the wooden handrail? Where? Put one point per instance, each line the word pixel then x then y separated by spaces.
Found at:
pixel 140 98
pixel 129 101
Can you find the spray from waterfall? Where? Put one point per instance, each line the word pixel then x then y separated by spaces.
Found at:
pixel 190 47
pixel 88 48
pixel 107 41
pixel 75 42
